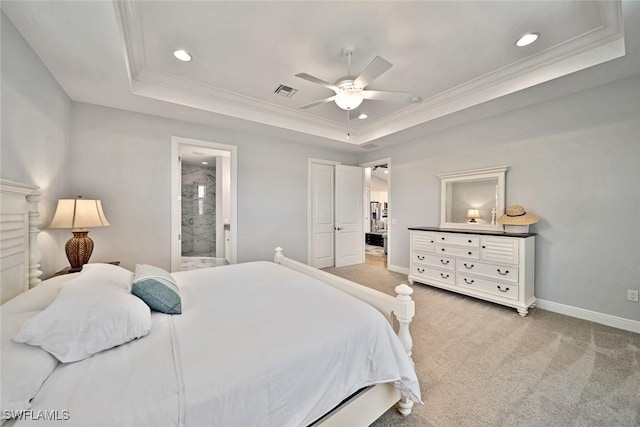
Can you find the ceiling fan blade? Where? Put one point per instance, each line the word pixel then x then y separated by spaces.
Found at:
pixel 313 104
pixel 372 72
pixel 316 80
pixel 379 95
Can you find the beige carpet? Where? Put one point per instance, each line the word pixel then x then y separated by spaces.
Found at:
pixel 481 364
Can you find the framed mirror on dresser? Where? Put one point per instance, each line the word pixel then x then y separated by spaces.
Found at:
pixel 472 199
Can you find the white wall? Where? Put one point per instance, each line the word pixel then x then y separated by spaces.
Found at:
pixel 574 161
pixel 124 159
pixel 35 130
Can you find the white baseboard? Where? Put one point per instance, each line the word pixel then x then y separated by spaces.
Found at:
pixel 593 316
pixel 398 269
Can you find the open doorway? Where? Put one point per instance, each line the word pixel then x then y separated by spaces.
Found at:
pixel 376 224
pixel 203 208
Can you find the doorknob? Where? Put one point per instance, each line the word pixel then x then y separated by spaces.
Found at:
pixel 337 228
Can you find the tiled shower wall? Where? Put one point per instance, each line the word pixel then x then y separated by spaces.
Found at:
pixel 198 211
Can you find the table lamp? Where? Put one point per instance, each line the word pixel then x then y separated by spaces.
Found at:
pixel 79 214
pixel 472 214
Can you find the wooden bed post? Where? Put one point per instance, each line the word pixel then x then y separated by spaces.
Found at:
pixel 277 257
pixel 404 320
pixel 34 251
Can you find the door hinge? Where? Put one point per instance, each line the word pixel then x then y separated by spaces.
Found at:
pixel 179 236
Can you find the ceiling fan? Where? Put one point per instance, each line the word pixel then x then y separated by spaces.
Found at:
pixel 350 91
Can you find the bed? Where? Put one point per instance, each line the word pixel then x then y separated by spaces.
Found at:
pixel 261 343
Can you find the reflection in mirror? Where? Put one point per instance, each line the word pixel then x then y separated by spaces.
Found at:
pixel 472 199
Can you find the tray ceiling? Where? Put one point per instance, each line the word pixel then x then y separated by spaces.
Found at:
pixel 452 55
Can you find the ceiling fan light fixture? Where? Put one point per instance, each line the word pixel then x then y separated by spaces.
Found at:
pixel 182 55
pixel 349 99
pixel 527 39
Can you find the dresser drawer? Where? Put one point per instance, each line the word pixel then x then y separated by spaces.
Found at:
pixel 504 290
pixel 499 272
pixel 421 241
pixel 458 239
pixel 428 272
pixel 447 263
pixel 458 251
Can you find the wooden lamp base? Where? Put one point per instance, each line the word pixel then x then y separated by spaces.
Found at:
pixel 79 249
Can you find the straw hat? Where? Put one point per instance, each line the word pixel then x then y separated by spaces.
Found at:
pixel 516 215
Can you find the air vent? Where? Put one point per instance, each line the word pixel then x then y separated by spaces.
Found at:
pixel 369 146
pixel 285 91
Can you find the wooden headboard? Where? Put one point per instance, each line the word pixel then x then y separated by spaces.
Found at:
pixel 19 253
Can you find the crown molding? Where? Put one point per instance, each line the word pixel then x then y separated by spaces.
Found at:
pixel 600 44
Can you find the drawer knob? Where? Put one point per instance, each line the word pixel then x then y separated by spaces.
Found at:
pixel 503 274
pixel 444 276
pixel 502 290
pixel 442 238
pixel 469 266
pixel 442 249
pixel 420 270
pixel 468 282
pixel 469 252
pixel 421 257
pixel 445 262
pixel 432 241
pixel 469 240
pixel 484 247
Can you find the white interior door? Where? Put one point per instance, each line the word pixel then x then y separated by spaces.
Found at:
pixel 349 237
pixel 322 219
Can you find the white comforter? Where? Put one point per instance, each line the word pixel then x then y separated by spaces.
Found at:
pixel 257 345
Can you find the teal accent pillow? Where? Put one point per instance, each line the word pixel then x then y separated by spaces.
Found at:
pixel 157 288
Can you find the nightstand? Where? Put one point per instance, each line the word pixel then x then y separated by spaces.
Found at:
pixel 66 269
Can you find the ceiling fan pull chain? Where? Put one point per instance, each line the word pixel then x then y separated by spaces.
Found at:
pixel 348 125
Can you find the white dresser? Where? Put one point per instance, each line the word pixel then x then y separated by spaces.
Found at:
pixel 492 266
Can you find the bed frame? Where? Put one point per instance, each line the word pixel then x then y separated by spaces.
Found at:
pixel 19 253
pixel 366 406
pixel 19 271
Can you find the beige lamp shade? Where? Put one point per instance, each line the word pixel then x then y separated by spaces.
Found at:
pixel 79 214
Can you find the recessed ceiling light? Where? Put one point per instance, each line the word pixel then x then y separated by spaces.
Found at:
pixel 205 163
pixel 386 171
pixel 182 55
pixel 363 116
pixel 527 39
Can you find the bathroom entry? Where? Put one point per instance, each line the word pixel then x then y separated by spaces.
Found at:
pixel 199 208
pixel 204 213
pixel 376 224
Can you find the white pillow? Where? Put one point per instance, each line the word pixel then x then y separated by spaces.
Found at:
pixel 84 320
pixel 106 273
pixel 24 368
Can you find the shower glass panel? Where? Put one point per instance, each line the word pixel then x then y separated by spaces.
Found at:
pixel 198 211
